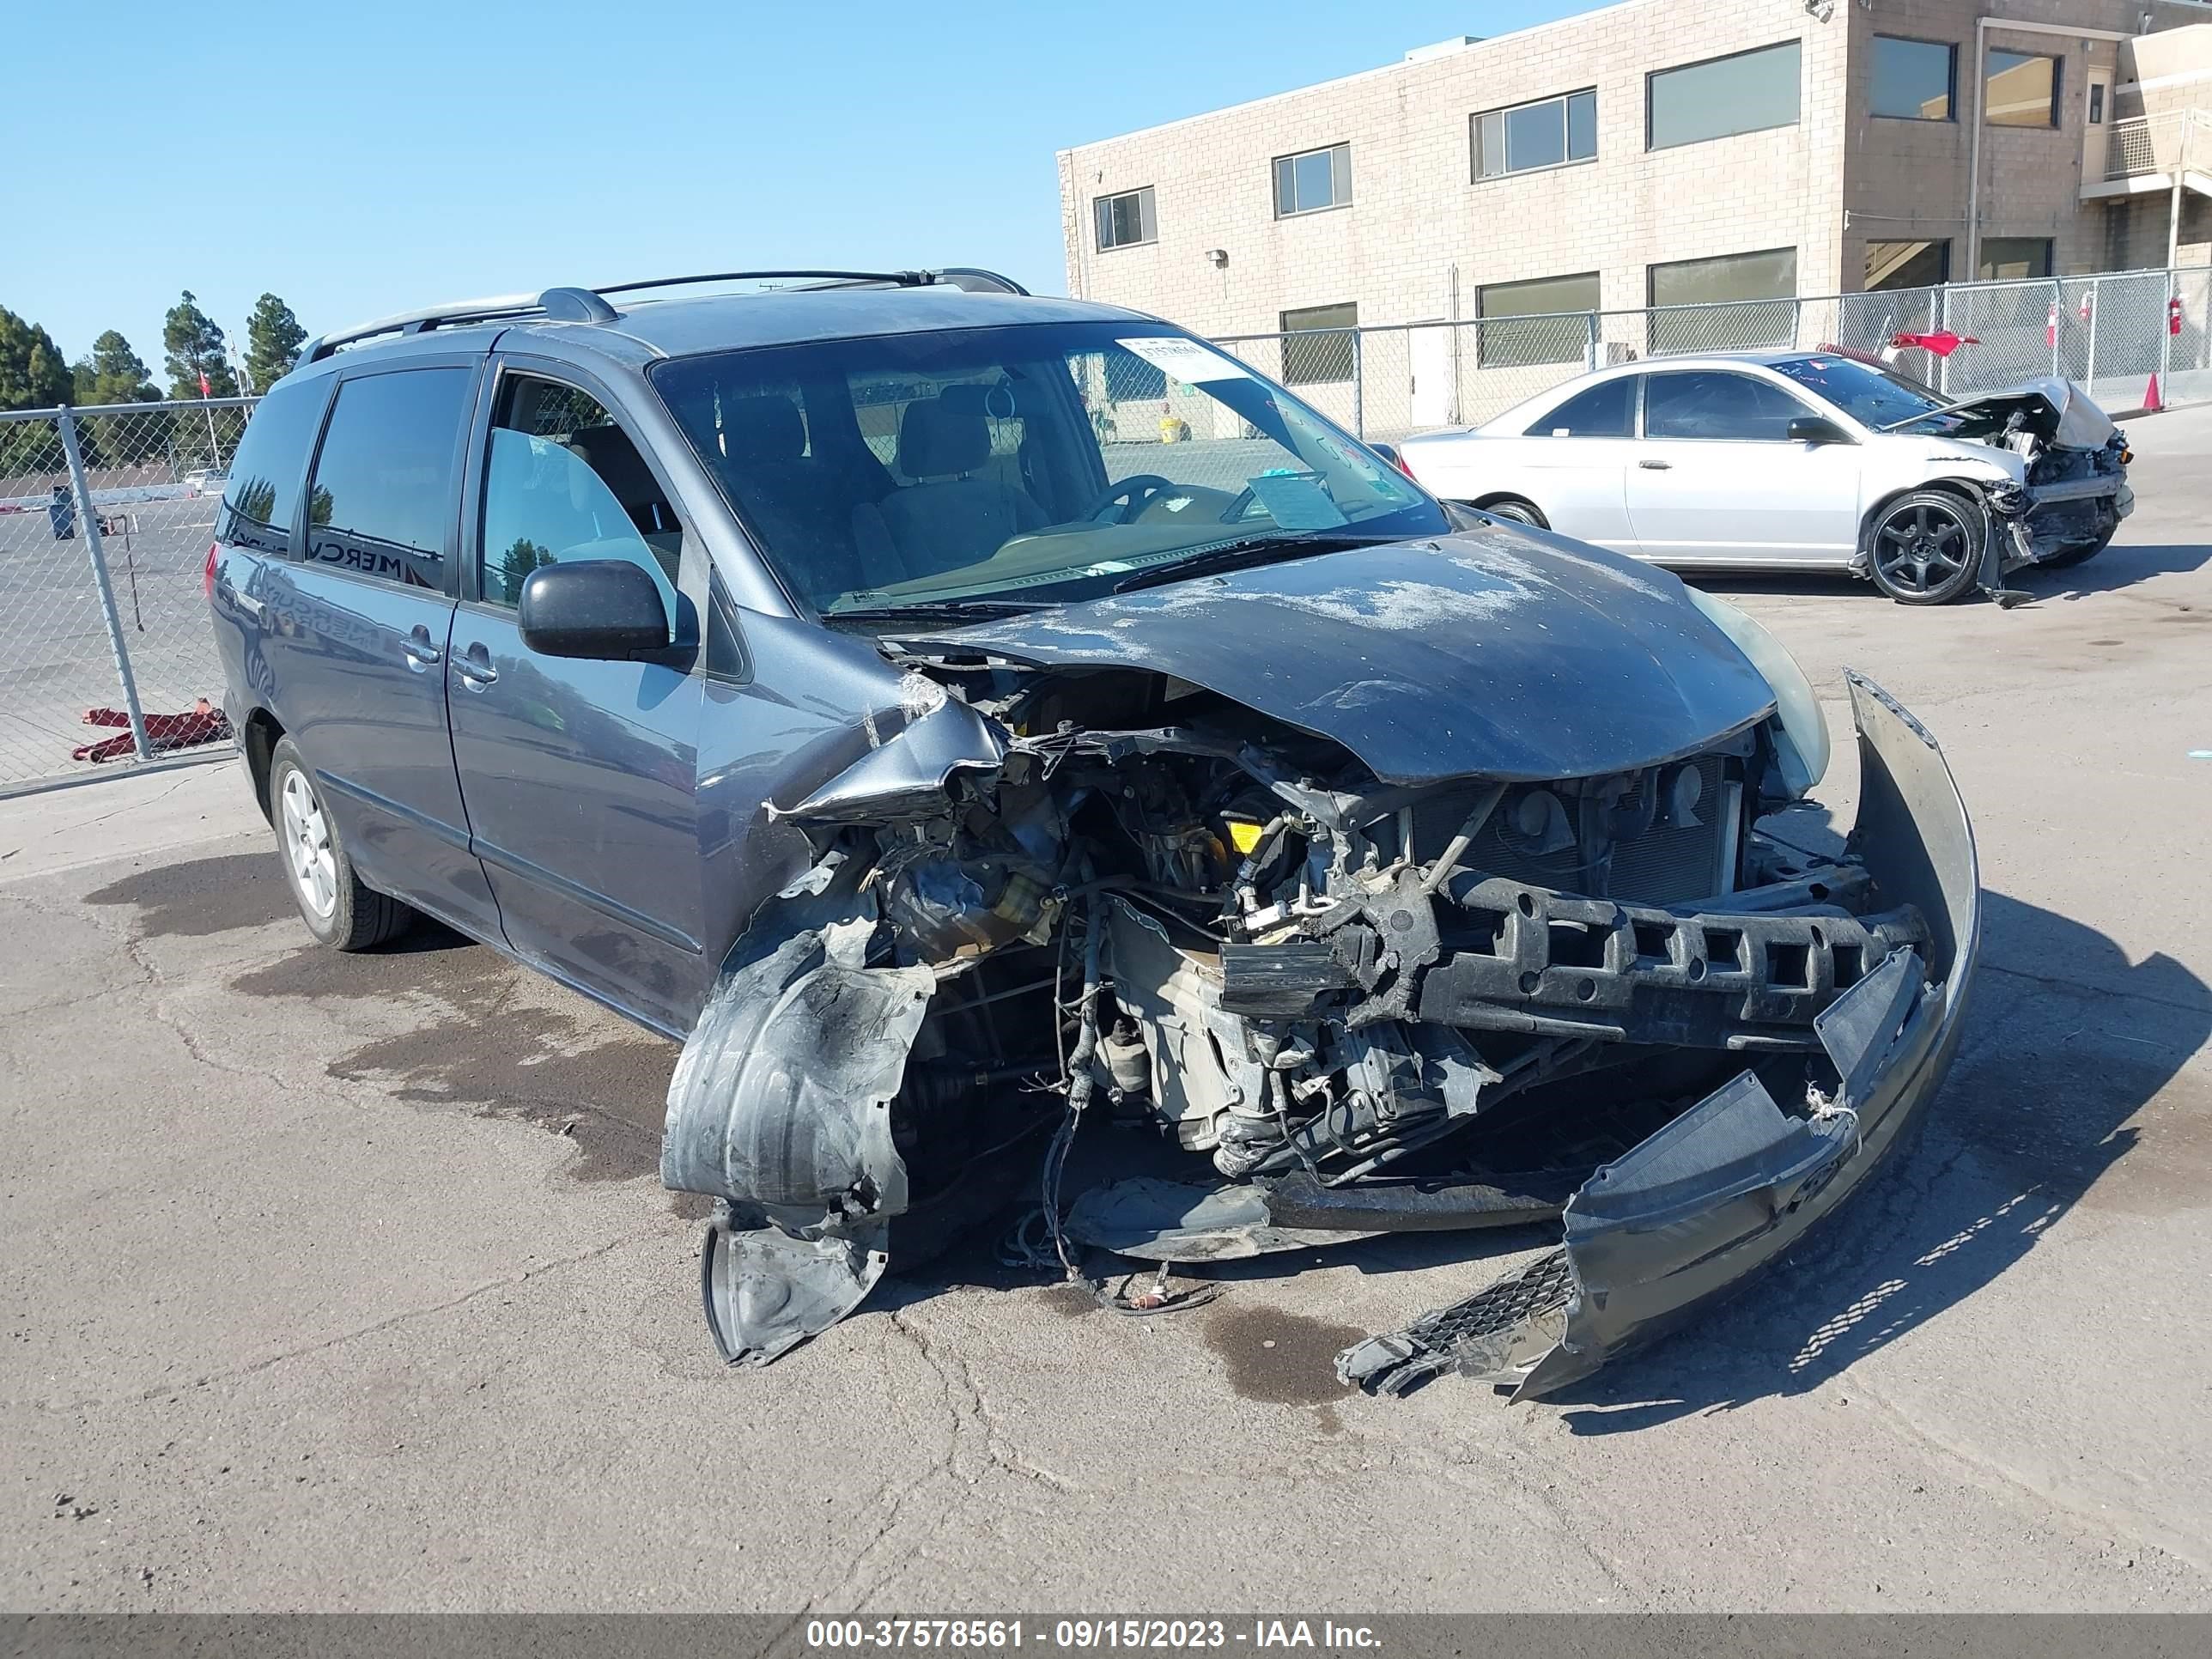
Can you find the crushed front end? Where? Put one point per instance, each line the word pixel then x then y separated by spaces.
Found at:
pixel 2074 491
pixel 1371 970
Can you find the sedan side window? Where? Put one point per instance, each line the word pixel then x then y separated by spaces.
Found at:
pixel 1605 410
pixel 1711 404
pixel 563 481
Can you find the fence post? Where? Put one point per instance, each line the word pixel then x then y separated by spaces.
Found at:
pixel 2057 328
pixel 2096 318
pixel 2165 333
pixel 1589 354
pixel 88 516
pixel 1942 320
pixel 1359 389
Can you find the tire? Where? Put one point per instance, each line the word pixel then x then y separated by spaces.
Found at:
pixel 1924 547
pixel 1513 507
pixel 339 910
pixel 2080 551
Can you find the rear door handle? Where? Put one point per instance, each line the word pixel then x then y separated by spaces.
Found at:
pixel 474 666
pixel 418 650
pixel 1656 466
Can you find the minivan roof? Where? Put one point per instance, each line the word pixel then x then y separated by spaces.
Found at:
pixel 688 324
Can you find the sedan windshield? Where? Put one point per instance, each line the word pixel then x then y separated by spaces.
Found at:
pixel 1873 396
pixel 1024 464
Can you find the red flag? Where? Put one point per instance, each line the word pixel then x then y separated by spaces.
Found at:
pixel 204 391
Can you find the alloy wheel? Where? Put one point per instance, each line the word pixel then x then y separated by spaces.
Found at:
pixel 307 850
pixel 1922 546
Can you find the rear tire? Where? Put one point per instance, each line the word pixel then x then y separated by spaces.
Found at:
pixel 1513 507
pixel 2080 551
pixel 339 910
pixel 1924 547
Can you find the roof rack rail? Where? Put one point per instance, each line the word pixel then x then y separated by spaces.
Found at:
pixel 962 277
pixel 416 322
pixel 589 305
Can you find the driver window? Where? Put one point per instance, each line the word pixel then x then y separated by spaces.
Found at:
pixel 563 481
pixel 1712 405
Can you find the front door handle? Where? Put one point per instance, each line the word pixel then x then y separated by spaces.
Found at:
pixel 474 666
pixel 418 650
pixel 1656 466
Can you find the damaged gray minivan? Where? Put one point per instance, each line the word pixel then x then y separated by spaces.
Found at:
pixel 960 717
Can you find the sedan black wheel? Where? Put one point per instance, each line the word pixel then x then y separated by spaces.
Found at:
pixel 1521 512
pixel 1924 547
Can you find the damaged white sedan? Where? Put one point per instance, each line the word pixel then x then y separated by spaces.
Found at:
pixel 1405 871
pixel 1800 460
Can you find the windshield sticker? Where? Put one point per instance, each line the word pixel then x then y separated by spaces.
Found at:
pixel 1295 501
pixel 1186 360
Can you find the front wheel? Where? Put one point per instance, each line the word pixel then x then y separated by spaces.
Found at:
pixel 338 910
pixel 1923 547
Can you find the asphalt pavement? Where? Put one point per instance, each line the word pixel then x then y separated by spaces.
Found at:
pixel 346 1283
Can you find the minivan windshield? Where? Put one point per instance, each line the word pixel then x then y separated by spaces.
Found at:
pixel 1874 398
pixel 962 469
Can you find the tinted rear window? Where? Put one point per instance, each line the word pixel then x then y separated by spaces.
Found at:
pixel 1607 409
pixel 381 501
pixel 262 502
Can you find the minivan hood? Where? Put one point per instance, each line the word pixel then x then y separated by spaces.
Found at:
pixel 1499 653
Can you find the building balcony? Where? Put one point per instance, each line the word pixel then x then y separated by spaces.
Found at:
pixel 2153 153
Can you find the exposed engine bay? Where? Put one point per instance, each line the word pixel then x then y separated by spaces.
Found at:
pixel 1351 987
pixel 2076 491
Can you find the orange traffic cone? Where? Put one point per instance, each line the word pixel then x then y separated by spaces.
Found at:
pixel 2151 403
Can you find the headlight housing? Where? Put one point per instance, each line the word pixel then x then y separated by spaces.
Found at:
pixel 1801 739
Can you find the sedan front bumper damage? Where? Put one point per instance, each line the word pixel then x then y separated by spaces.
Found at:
pixel 1732 1184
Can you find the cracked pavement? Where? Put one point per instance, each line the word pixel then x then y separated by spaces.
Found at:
pixel 346 1283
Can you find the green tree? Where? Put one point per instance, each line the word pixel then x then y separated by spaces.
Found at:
pixel 194 348
pixel 34 374
pixel 273 339
pixel 113 374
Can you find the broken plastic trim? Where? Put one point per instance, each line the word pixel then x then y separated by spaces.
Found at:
pixel 781 1108
pixel 1734 1182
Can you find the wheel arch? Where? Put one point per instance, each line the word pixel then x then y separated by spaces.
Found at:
pixel 1484 502
pixel 258 740
pixel 1968 490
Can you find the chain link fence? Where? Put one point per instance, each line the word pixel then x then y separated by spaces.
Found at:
pixel 2110 332
pixel 105 518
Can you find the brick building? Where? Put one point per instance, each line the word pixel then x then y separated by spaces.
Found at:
pixel 1665 152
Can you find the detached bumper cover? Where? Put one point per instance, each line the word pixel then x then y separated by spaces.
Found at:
pixel 1736 1181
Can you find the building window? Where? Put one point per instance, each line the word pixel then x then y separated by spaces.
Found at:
pixel 1314 358
pixel 2008 257
pixel 1125 220
pixel 1749 92
pixel 1523 322
pixel 1713 301
pixel 1906 264
pixel 1912 80
pixel 1315 180
pixel 2096 103
pixel 1548 134
pixel 2021 89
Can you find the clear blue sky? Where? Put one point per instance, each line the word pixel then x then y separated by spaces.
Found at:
pixel 359 159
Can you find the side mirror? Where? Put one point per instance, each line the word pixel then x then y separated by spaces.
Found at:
pixel 608 609
pixel 1816 429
